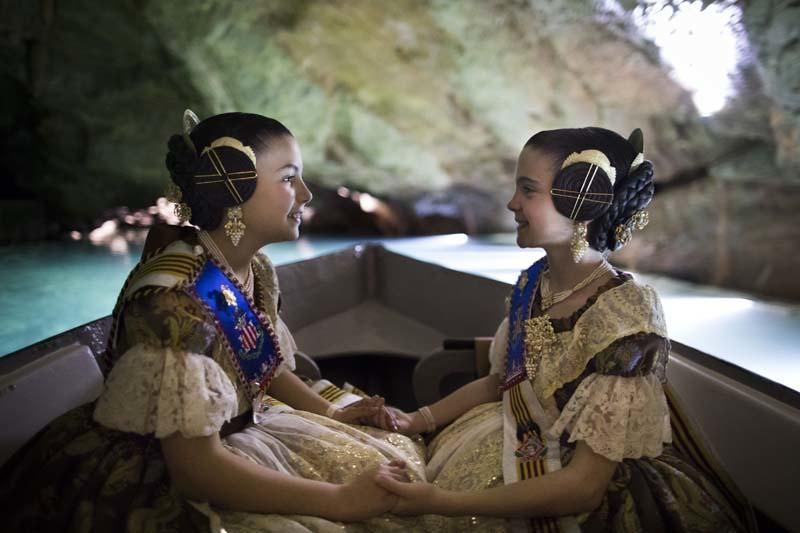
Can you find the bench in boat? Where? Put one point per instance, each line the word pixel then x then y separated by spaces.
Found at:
pixel 376 318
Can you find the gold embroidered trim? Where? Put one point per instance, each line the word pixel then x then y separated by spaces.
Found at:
pixel 619 312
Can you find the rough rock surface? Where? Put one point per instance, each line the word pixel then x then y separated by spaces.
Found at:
pixel 411 101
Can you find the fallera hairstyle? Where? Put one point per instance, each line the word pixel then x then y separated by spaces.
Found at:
pixel 193 166
pixel 627 191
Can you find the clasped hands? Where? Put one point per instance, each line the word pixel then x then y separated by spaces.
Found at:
pixel 386 489
pixel 374 412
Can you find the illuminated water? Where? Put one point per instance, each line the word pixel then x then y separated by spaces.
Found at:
pixel 48 288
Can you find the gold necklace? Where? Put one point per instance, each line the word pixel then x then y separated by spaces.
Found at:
pixel 549 298
pixel 213 249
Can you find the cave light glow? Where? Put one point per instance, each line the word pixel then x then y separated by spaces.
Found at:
pixel 703 46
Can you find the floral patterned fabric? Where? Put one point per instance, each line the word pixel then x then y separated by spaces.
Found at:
pixel 614 401
pixel 99 468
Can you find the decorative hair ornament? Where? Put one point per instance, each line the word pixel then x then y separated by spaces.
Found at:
pixel 636 162
pixel 181 209
pixel 583 196
pixel 596 159
pixel 173 192
pixel 636 138
pixel 624 232
pixel 593 157
pixel 190 120
pixel 223 177
pixel 230 142
pixel 222 164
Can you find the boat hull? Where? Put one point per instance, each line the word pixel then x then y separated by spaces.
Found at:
pixel 380 319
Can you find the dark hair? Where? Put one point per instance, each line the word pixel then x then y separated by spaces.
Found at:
pixel 255 131
pixel 632 191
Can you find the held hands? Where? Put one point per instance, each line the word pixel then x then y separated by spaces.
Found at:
pixel 411 498
pixel 407 423
pixel 364 498
pixel 393 419
pixel 383 489
pixel 401 422
pixel 374 412
pixel 369 412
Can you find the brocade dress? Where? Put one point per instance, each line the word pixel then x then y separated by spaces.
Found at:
pixel 600 379
pixel 99 468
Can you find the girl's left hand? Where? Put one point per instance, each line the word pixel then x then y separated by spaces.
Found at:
pixel 412 498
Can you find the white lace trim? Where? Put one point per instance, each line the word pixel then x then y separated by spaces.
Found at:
pixel 288 346
pixel 161 391
pixel 618 417
pixel 498 350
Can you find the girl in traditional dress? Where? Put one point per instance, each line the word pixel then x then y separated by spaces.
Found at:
pixel 571 429
pixel 202 426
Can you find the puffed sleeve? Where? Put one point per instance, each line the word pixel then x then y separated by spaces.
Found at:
pixel 498 349
pixel 163 382
pixel 620 410
pixel 163 391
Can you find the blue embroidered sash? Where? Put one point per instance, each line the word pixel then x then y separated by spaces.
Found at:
pixel 251 340
pixel 519 312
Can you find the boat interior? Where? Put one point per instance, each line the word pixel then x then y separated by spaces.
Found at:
pixel 405 329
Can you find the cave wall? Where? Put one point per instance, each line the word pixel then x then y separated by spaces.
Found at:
pixel 400 99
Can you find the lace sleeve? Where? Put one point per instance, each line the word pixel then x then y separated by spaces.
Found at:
pixel 618 417
pixel 288 346
pixel 160 390
pixel 498 349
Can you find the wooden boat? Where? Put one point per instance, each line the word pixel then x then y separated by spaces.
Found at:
pixel 383 321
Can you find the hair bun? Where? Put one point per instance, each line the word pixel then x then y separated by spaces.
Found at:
pixel 218 147
pixel 582 191
pixel 633 194
pixel 181 162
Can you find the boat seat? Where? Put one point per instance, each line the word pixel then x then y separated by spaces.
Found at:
pixel 749 433
pixel 33 395
pixel 306 367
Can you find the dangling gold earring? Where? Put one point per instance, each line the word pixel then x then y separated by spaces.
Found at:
pixel 234 227
pixel 182 209
pixel 578 245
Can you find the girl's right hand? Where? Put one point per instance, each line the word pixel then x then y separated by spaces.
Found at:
pixel 414 498
pixel 407 423
pixel 363 498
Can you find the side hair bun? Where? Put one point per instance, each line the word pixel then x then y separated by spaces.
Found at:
pixel 583 188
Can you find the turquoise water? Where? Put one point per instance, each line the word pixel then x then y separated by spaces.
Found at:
pixel 51 287
pixel 48 288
